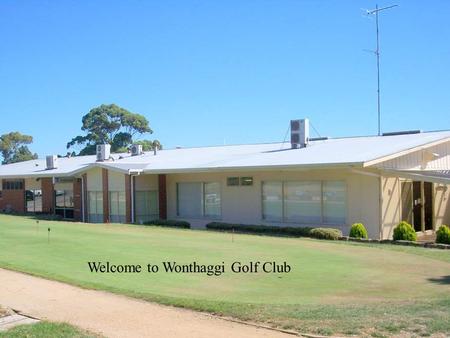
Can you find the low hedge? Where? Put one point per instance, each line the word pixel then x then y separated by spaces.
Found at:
pixel 320 233
pixel 404 232
pixel 169 223
pixel 260 229
pixel 358 230
pixel 326 233
pixel 443 235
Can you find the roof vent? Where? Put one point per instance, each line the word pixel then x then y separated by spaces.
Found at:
pixel 406 132
pixel 299 133
pixel 51 162
pixel 103 152
pixel 136 149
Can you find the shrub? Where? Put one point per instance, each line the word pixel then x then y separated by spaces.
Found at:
pixel 443 235
pixel 326 233
pixel 169 223
pixel 404 231
pixel 358 231
pixel 260 229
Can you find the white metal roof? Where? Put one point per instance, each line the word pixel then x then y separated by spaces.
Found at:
pixel 357 151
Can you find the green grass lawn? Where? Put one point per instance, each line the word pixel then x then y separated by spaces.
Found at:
pixel 333 287
pixel 46 330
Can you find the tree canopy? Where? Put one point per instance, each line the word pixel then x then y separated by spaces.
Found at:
pixel 110 124
pixel 13 147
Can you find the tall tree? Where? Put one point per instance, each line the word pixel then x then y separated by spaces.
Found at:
pixel 109 124
pixel 13 147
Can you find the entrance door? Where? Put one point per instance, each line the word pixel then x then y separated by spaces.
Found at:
pixel 417 205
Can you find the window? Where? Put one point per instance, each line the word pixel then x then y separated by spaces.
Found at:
pixel 33 200
pixel 64 203
pixel 198 199
pixel 334 202
pixel 246 180
pixel 272 200
pixel 302 202
pixel 117 206
pixel 232 181
pixel 12 185
pixel 305 202
pixel 236 181
pixel 146 206
pixel 95 205
pixel 211 198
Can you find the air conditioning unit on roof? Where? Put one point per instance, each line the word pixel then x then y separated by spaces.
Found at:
pixel 136 149
pixel 103 152
pixel 51 162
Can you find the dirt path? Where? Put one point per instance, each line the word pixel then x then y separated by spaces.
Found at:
pixel 113 315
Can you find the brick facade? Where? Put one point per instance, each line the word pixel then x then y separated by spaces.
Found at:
pixel 162 196
pixel 13 200
pixel 77 200
pixel 105 195
pixel 48 195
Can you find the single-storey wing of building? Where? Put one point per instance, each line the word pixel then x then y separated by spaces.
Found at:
pixel 332 182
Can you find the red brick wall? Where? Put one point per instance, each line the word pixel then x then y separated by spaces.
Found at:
pixel 13 200
pixel 105 195
pixel 77 199
pixel 162 196
pixel 128 198
pixel 48 195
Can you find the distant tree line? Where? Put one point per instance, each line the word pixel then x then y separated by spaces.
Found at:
pixel 104 124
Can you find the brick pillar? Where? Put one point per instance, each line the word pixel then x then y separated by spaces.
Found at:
pixel 48 195
pixel 85 197
pixel 162 196
pixel 128 193
pixel 77 199
pixel 13 199
pixel 105 195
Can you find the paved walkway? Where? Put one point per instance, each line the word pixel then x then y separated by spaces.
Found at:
pixel 15 319
pixel 114 315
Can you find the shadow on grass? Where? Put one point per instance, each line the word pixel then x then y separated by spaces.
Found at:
pixel 445 280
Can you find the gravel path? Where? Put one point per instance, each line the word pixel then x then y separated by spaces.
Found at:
pixel 114 315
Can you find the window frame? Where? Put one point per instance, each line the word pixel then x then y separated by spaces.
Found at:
pixel 202 192
pixel 283 189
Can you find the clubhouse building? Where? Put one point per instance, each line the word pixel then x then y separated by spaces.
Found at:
pixel 332 182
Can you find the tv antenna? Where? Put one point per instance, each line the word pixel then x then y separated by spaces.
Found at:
pixel 377 53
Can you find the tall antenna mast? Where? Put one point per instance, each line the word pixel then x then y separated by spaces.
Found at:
pixel 377 53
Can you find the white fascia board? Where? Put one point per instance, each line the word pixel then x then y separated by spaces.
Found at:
pixel 404 152
pixel 255 168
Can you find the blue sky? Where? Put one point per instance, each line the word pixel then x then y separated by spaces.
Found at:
pixel 215 72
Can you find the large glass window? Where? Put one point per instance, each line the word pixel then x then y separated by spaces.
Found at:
pixel 305 202
pixel 302 202
pixel 95 204
pixel 33 200
pixel 64 203
pixel 334 202
pixel 211 199
pixel 272 200
pixel 198 199
pixel 117 207
pixel 146 206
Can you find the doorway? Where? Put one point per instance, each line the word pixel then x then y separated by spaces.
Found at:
pixel 417 204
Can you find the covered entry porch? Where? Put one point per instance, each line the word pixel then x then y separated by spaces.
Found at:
pixel 423 199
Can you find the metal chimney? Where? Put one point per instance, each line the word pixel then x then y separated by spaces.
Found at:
pixel 299 133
